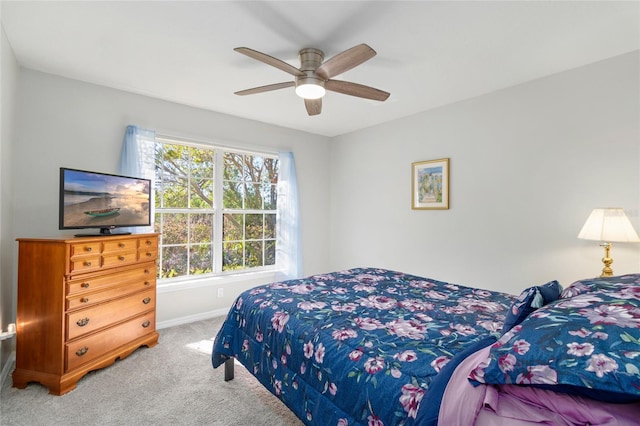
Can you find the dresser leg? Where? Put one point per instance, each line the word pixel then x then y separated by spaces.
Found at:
pixel 57 385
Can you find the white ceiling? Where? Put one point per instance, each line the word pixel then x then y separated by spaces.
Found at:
pixel 430 53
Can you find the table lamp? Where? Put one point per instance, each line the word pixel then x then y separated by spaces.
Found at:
pixel 608 225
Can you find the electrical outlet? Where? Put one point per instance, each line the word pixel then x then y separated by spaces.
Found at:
pixel 220 292
pixel 11 331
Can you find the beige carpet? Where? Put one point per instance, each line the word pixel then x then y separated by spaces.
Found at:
pixel 170 384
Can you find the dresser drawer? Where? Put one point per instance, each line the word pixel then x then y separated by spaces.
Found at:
pixel 91 347
pixel 147 254
pixel 119 245
pixel 85 321
pixel 85 264
pixel 143 272
pixel 83 249
pixel 149 242
pixel 119 258
pixel 87 299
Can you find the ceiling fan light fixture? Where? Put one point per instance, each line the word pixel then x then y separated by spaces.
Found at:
pixel 310 91
pixel 310 88
pixel 315 75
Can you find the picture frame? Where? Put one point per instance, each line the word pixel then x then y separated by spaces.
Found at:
pixel 430 185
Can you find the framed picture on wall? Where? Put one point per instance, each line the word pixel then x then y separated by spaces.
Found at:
pixel 430 185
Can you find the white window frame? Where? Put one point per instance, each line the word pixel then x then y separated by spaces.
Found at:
pixel 218 212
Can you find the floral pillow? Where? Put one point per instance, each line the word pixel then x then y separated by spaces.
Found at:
pixel 588 344
pixel 529 300
pixel 595 284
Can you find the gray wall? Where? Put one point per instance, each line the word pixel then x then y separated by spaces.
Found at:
pixel 8 87
pixel 528 164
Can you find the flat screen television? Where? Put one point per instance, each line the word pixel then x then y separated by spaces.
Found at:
pixel 94 200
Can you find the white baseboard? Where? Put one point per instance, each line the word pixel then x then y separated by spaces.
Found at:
pixel 192 318
pixel 8 367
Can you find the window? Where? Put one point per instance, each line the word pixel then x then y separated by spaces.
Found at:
pixel 215 209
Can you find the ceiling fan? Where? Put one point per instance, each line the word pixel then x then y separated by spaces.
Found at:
pixel 315 76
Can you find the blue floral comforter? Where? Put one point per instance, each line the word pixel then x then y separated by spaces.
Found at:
pixel 359 346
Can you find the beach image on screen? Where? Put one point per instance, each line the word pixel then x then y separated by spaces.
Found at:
pixel 97 200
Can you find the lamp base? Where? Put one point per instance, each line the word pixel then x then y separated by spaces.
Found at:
pixel 606 272
pixel 607 260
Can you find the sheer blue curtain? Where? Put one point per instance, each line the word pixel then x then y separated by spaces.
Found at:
pixel 137 154
pixel 137 159
pixel 288 247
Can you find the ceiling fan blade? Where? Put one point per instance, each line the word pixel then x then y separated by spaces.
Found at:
pixel 344 61
pixel 314 106
pixel 267 88
pixel 355 89
pixel 269 60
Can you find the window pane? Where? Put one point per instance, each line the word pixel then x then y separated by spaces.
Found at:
pixel 175 193
pixel 174 230
pixel 232 256
pixel 253 199
pixel 254 253
pixel 157 225
pixel 253 168
pixel 201 228
pixel 270 226
pixel 157 199
pixel 201 259
pixel 271 166
pixel 270 253
pixel 202 160
pixel 174 172
pixel 174 261
pixel 159 153
pixel 233 193
pixel 253 227
pixel 269 196
pixel 232 228
pixel 201 193
pixel 233 166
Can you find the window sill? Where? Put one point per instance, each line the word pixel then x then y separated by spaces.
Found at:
pixel 215 280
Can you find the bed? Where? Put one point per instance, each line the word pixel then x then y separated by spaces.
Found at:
pixel 380 347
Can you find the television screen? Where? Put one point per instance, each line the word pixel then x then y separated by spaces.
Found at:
pixel 103 201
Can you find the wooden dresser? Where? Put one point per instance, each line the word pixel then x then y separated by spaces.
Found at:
pixel 82 304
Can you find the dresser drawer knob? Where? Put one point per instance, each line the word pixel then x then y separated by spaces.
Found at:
pixel 147 283
pixel 149 254
pixel 121 258
pixel 88 248
pixel 82 351
pixel 146 271
pixel 146 300
pixel 146 324
pixel 148 242
pixel 82 322
pixel 84 285
pixel 121 245
pixel 87 263
pixel 85 300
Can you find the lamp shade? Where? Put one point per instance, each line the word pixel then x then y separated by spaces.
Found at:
pixel 608 225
